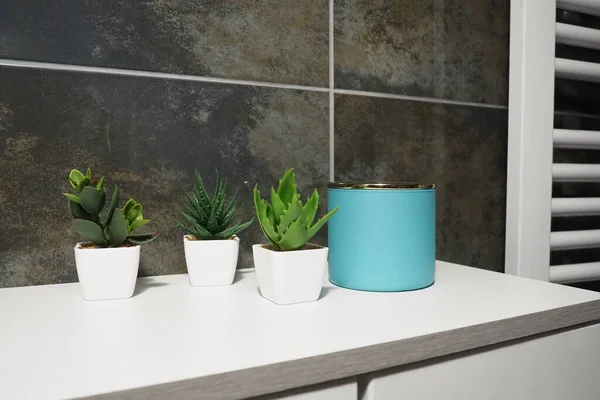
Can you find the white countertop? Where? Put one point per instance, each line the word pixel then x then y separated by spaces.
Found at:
pixel 53 344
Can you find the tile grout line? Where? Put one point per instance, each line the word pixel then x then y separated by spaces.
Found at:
pixel 163 75
pixel 331 95
pixel 149 74
pixel 417 98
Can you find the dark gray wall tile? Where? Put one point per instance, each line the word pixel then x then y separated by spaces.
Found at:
pixel 462 149
pixel 147 135
pixel 283 41
pixel 454 49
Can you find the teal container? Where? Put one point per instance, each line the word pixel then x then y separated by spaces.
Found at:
pixel 383 237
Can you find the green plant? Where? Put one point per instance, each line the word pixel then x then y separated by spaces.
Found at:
pixel 285 221
pixel 87 204
pixel 209 218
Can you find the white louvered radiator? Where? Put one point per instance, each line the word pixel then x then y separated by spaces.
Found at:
pixel 533 139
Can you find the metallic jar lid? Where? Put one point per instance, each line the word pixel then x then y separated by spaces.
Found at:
pixel 382 186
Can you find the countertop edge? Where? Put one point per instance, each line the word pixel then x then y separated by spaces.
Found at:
pixel 323 368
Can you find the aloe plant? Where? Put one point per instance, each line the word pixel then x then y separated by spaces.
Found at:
pixel 210 218
pixel 87 204
pixel 286 222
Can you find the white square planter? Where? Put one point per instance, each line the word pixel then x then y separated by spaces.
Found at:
pixel 107 273
pixel 211 262
pixel 289 277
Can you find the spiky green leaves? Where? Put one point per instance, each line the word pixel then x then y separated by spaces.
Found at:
pixel 262 214
pixel 210 217
pixel 286 222
pixel 291 213
pixel 310 208
pixel 89 202
pixel 287 189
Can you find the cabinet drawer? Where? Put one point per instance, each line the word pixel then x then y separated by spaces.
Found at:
pixel 553 367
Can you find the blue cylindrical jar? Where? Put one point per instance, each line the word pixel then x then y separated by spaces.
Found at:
pixel 383 237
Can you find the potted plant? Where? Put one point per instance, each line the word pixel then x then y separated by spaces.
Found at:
pixel 211 244
pixel 289 269
pixel 107 262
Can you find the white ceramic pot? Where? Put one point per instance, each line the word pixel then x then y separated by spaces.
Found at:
pixel 211 262
pixel 107 273
pixel 289 277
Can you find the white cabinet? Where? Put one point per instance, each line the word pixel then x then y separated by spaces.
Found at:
pixel 344 390
pixel 174 341
pixel 555 367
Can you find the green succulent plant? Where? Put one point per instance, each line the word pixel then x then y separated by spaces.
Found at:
pixel 87 204
pixel 285 221
pixel 210 218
